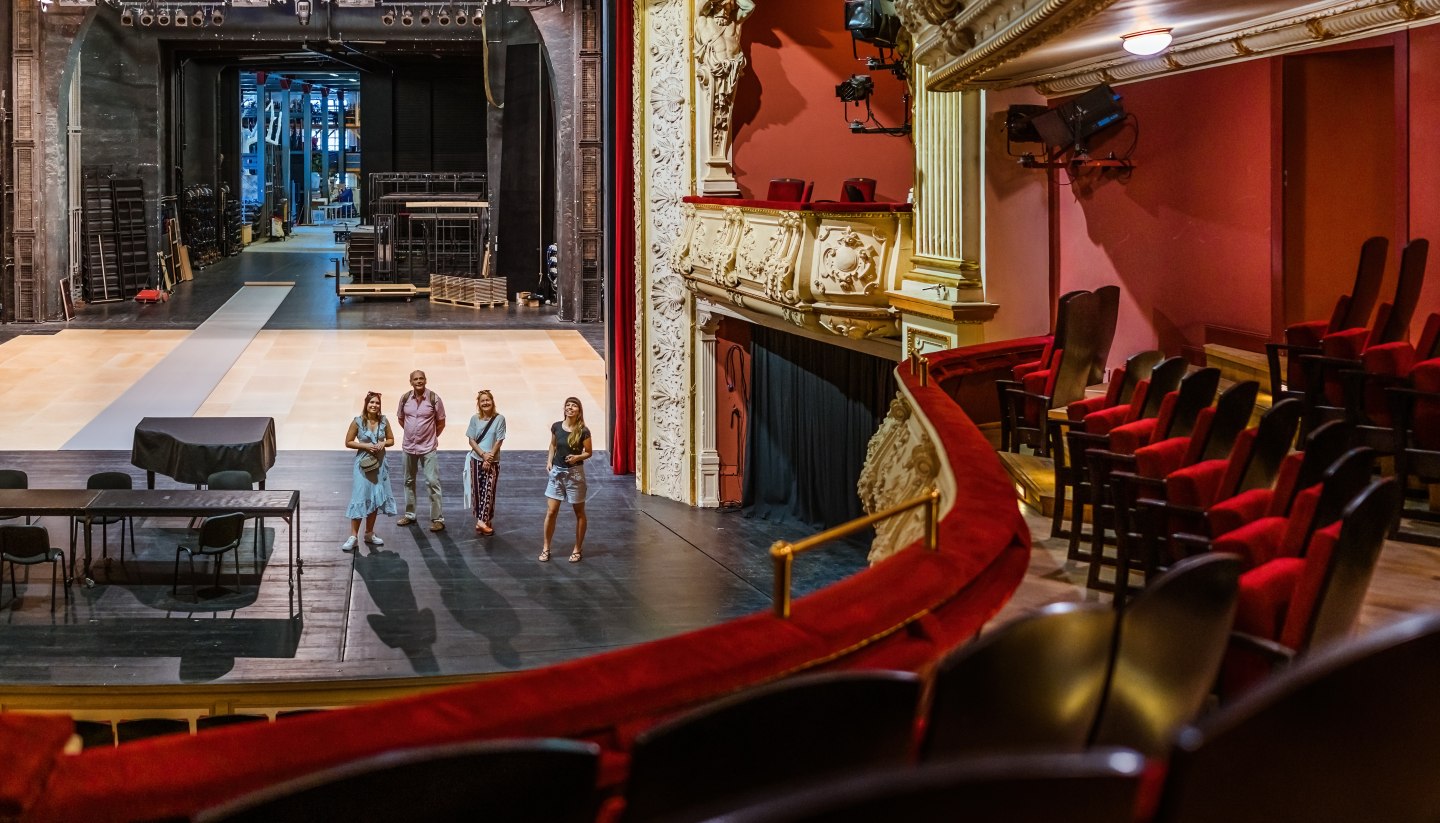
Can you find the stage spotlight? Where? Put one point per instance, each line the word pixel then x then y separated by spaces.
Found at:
pixel 443 17
pixel 461 17
pixel 127 17
pixel 855 89
pixel 405 18
pixel 181 18
pixel 163 18
pixel 146 18
pixel 388 18
pixel 197 19
pixel 302 11
pixel 425 16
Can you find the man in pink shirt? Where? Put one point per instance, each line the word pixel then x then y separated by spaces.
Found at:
pixel 422 416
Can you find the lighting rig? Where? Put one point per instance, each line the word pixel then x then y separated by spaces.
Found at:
pixel 876 23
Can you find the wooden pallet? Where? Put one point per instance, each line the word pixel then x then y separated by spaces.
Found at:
pixel 468 291
pixel 406 290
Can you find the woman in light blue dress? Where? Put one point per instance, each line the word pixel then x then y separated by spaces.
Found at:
pixel 369 435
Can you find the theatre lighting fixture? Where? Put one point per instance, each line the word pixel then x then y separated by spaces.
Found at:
pixel 1146 43
pixel 425 16
pixel 405 18
pixel 858 87
pixel 388 18
pixel 181 19
pixel 217 16
pixel 461 17
pixel 197 19
pixel 443 16
pixel 127 16
pixel 302 12
pixel 163 18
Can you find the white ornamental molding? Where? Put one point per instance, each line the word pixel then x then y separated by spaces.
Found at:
pixel 900 464
pixel 668 305
pixel 849 263
pixel 965 44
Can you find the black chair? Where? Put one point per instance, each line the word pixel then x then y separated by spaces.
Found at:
pixel 95 734
pixel 1170 642
pixel 239 480
pixel 1032 685
pixel 107 480
pixel 30 546
pixel 128 731
pixel 1093 787
pixel 218 535
pixel 504 781
pixel 1349 734
pixel 772 738
pixel 14 479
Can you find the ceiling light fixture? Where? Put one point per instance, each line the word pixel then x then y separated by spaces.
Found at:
pixel 1146 43
pixel 302 11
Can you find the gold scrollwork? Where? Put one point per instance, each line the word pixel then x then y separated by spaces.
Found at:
pixel 848 262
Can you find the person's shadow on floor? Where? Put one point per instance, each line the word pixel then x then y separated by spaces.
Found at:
pixel 401 624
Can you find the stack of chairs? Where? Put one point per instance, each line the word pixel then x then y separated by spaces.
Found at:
pixel 1075 358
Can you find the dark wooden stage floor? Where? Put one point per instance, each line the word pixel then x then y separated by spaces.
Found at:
pixel 424 603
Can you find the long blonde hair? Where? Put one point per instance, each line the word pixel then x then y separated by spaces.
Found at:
pixel 494 409
pixel 575 439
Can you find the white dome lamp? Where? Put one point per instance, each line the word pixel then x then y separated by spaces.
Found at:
pixel 1146 43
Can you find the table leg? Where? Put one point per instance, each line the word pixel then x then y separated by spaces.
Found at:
pixel 89 542
pixel 149 479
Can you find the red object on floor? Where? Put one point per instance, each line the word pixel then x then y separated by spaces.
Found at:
pixel 151 296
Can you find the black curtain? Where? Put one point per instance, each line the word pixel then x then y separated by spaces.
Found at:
pixel 813 409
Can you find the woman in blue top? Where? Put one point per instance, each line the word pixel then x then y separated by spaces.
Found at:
pixel 369 435
pixel 482 463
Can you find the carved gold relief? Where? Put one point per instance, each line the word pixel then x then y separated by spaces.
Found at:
pixel 900 463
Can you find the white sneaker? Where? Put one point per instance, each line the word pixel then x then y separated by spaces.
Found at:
pixel 349 544
pixel 374 540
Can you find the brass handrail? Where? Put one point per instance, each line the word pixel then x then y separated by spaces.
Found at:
pixel 783 552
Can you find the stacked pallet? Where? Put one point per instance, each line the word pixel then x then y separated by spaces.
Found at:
pixel 468 291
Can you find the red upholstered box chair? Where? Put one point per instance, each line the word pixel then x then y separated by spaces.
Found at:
pixel 1027 377
pixel 1417 437
pixel 1120 391
pixel 1313 508
pixel 1026 408
pixel 1290 605
pixel 858 190
pixel 1213 437
pixel 1345 350
pixel 1189 492
pixel 1351 311
pixel 789 190
pixel 1179 410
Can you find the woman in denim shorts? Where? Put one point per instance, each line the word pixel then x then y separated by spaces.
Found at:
pixel 569 449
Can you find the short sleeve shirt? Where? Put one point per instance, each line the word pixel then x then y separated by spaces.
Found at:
pixel 562 443
pixel 493 436
pixel 419 419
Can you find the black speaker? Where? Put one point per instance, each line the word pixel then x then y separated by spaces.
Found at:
pixel 1018 125
pixel 1093 111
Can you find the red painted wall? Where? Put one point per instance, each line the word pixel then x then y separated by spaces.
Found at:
pixel 788 121
pixel 1424 132
pixel 1188 234
pixel 1017 259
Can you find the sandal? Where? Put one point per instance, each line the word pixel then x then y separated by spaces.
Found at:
pixel 544 555
pixel 575 556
